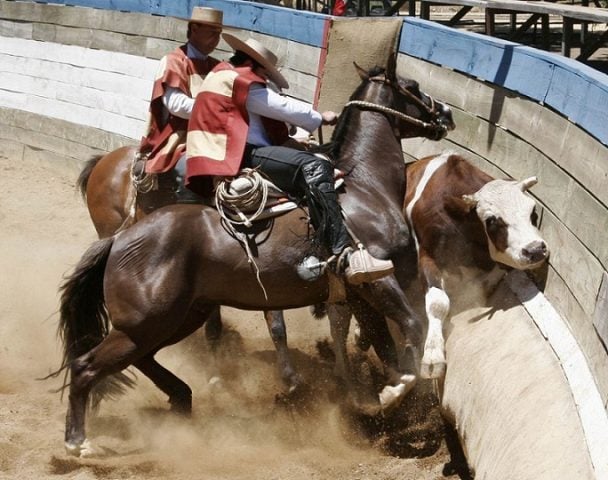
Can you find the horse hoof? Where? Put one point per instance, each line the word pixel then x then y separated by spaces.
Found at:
pixel 83 450
pixel 391 396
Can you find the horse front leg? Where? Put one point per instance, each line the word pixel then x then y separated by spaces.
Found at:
pixel 276 327
pixel 339 316
pixel 387 298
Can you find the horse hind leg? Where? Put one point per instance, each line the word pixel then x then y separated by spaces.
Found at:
pixel 278 332
pixel 116 352
pixel 213 329
pixel 179 393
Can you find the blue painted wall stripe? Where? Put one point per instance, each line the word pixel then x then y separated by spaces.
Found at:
pixel 299 26
pixel 296 25
pixel 577 91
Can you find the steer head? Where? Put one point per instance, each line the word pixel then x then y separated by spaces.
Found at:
pixel 508 216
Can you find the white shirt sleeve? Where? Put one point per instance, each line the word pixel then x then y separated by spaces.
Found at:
pixel 178 103
pixel 266 103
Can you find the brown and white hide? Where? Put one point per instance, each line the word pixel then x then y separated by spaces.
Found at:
pixel 466 227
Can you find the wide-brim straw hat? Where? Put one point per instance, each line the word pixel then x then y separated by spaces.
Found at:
pixel 260 54
pixel 207 16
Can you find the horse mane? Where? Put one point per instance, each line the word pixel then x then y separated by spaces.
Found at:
pixel 334 146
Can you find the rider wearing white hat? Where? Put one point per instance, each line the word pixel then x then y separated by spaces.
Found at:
pixel 178 79
pixel 239 122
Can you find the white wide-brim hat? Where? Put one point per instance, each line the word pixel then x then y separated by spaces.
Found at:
pixel 207 16
pixel 260 54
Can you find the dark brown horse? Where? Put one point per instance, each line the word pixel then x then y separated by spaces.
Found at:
pixel 107 185
pixel 159 280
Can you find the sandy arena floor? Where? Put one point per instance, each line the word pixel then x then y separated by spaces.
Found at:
pixel 238 430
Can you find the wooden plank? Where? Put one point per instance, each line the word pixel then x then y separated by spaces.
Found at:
pixel 579 211
pixel 574 150
pixel 48 143
pixel 97 19
pixel 466 7
pixel 558 293
pixel 80 134
pixel 495 60
pixel 96 39
pixel 568 13
pixel 564 196
pixel 15 29
pixel 509 66
pixel 573 261
pixel 299 26
pixel 77 114
pixel 131 65
pixel 70 76
pixel 589 14
pixel 583 102
pixel 600 316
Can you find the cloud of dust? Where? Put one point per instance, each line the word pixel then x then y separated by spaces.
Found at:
pixel 29 348
pixel 238 430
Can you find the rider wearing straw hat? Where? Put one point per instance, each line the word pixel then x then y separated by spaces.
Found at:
pixel 178 80
pixel 237 122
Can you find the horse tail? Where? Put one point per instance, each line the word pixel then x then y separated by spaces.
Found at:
pixel 83 178
pixel 84 322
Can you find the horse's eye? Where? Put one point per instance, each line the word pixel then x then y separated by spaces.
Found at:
pixel 534 217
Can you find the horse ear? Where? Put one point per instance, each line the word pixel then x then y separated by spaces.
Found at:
pixel 391 66
pixel 362 73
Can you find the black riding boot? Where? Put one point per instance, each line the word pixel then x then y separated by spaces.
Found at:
pixel 323 205
pixel 327 217
pixel 337 235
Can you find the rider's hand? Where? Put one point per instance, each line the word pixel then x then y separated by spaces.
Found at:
pixel 329 118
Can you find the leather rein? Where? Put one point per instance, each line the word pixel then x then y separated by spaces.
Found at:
pixel 396 113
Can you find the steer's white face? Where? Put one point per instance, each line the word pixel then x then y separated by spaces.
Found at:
pixel 508 216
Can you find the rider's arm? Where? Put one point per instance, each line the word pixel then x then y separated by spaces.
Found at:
pixel 178 103
pixel 266 103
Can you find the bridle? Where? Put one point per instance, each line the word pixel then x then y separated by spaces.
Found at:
pixel 432 110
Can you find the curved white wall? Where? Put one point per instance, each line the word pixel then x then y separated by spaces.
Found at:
pixel 76 81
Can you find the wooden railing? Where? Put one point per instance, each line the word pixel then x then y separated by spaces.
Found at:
pixel 535 11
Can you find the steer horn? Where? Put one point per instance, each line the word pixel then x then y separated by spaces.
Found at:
pixel 527 183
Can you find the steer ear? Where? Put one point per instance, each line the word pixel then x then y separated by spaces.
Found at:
pixel 460 206
pixel 470 201
pixel 527 183
pixel 362 73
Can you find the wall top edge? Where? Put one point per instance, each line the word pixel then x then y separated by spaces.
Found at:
pixel 577 91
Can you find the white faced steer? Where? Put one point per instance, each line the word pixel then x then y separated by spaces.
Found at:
pixel 461 219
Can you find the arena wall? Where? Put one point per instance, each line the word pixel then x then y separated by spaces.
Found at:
pixel 75 80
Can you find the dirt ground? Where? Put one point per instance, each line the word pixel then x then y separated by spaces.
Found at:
pixel 238 430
